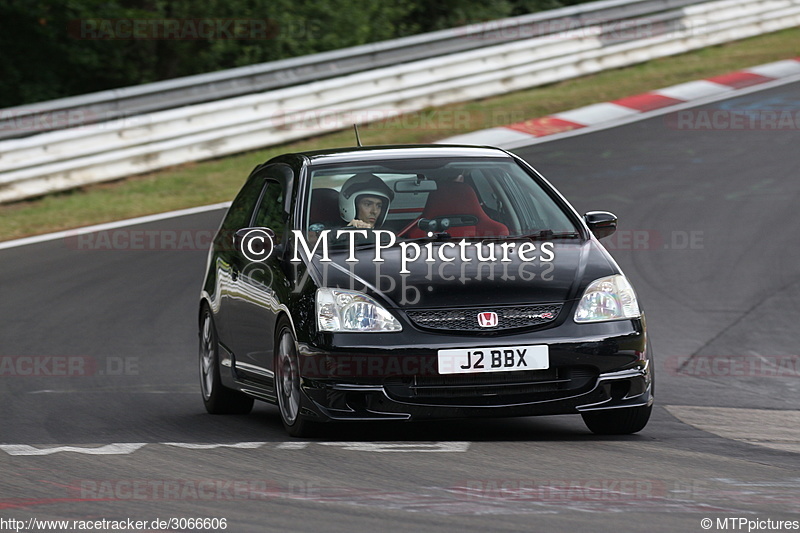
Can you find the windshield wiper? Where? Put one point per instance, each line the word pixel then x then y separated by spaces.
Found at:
pixel 550 234
pixel 535 236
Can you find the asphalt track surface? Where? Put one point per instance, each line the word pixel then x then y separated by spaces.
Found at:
pixel 99 356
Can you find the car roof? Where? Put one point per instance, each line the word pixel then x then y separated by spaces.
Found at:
pixel 410 151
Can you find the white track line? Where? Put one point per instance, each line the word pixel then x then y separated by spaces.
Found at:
pixel 112 225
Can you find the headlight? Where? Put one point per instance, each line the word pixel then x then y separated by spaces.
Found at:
pixel 610 298
pixel 344 310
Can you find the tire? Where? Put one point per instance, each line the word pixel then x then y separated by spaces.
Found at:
pixel 218 399
pixel 622 421
pixel 287 384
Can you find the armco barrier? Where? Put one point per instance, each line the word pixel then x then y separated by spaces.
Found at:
pixel 64 159
pixel 130 101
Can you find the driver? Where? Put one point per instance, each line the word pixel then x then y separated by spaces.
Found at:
pixel 364 201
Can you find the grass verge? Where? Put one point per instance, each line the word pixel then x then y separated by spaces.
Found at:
pixel 218 180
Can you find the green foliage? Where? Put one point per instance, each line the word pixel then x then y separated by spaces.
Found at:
pixel 57 48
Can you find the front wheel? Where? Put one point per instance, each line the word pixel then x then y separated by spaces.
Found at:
pixel 287 384
pixel 218 399
pixel 623 421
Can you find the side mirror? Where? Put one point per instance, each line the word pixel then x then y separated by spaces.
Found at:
pixel 601 223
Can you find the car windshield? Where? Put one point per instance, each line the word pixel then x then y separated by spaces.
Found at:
pixel 423 198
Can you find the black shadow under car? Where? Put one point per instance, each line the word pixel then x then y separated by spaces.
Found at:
pixel 418 282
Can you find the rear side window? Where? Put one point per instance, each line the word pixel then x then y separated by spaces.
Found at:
pixel 241 209
pixel 269 213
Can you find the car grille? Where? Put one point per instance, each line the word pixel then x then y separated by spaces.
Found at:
pixel 466 319
pixel 492 388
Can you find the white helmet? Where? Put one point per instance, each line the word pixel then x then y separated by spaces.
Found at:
pixel 363 185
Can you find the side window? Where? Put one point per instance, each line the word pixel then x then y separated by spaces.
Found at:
pixel 269 213
pixel 242 207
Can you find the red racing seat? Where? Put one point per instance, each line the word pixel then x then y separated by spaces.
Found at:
pixel 457 198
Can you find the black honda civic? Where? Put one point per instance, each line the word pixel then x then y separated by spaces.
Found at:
pixel 418 282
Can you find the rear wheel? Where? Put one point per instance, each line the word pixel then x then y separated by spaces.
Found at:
pixel 217 398
pixel 622 421
pixel 287 384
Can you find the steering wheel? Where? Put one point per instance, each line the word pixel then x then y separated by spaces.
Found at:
pixel 440 224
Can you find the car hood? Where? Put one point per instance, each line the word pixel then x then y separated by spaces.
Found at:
pixel 439 284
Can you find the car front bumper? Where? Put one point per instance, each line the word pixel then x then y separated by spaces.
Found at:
pixel 608 366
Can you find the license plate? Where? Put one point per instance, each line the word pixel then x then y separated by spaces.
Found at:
pixel 500 359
